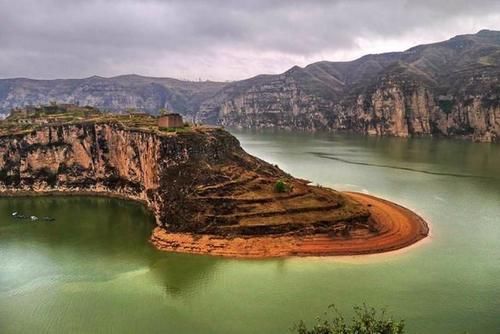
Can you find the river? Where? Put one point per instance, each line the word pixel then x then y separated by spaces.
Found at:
pixel 93 271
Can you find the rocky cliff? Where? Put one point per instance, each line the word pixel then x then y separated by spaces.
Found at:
pixel 449 88
pixel 102 158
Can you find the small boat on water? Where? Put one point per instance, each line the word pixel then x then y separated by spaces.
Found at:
pixel 18 215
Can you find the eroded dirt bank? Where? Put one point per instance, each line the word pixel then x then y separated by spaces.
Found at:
pixel 397 228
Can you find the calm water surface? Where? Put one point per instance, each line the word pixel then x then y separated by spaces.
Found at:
pixel 92 270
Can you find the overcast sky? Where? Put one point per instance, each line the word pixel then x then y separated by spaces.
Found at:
pixel 215 39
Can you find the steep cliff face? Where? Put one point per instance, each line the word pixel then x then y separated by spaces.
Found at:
pixel 391 108
pixel 105 158
pixel 398 110
pixel 278 102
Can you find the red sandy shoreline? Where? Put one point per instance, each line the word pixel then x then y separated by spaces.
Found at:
pixel 398 228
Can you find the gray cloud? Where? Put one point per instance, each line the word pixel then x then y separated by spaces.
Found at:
pixel 217 39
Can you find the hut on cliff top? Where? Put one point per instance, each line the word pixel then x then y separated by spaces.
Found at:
pixel 170 120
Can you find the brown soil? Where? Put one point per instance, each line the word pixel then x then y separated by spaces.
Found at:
pixel 395 227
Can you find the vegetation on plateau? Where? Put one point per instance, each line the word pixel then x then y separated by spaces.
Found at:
pixel 30 118
pixel 366 320
pixel 186 127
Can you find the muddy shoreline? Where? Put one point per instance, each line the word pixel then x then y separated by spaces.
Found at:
pixel 398 228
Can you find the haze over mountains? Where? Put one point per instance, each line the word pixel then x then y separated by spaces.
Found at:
pixel 113 94
pixel 449 88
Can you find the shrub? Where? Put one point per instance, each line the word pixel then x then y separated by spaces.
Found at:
pixel 366 320
pixel 446 106
pixel 280 187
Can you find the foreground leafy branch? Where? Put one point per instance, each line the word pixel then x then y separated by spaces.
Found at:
pixel 367 320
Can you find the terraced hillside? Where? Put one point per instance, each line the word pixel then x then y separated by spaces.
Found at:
pixel 246 203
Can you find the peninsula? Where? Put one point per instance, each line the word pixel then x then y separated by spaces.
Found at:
pixel 207 194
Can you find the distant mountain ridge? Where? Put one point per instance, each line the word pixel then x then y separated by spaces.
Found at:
pixel 449 88
pixel 112 94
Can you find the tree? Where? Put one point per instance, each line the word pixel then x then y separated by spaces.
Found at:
pixel 367 320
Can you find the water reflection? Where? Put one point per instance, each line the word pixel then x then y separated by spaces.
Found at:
pixel 91 240
pixel 182 275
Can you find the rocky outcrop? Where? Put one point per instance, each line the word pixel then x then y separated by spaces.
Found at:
pixel 105 158
pixel 395 110
pixel 278 102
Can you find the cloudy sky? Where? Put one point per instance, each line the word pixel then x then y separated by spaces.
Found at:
pixel 215 39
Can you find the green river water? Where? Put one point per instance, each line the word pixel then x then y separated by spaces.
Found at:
pixel 93 270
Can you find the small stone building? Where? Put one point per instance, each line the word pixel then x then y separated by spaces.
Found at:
pixel 170 121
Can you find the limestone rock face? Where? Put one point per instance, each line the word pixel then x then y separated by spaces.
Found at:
pixel 396 110
pixel 392 108
pixel 278 103
pixel 104 158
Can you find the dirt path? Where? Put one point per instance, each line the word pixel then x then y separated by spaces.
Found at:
pixel 398 228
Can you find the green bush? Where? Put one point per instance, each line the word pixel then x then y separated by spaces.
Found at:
pixel 446 106
pixel 280 187
pixel 366 320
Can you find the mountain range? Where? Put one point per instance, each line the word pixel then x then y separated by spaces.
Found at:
pixel 449 88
